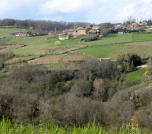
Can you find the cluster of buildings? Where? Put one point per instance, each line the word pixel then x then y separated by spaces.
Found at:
pixel 134 24
pixel 89 29
pixel 26 33
pixel 19 33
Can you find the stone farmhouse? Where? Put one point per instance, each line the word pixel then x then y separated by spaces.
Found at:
pixel 89 29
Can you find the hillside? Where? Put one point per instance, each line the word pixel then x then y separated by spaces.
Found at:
pixel 68 84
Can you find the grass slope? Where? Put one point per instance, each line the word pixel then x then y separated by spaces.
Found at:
pixel 69 42
pixel 135 75
pixel 114 45
pixel 111 46
pixel 122 38
pixel 26 39
pixel 39 48
pixel 6 31
pixel 143 51
pixel 4 40
pixel 99 51
pixel 35 48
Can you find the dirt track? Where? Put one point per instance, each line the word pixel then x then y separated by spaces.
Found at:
pixel 149 43
pixel 8 48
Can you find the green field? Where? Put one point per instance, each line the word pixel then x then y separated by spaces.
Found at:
pixel 38 48
pixel 6 31
pixel 33 39
pixel 111 46
pixel 122 38
pixel 135 75
pixel 69 42
pixel 34 48
pixel 26 39
pixel 99 51
pixel 143 51
pixel 4 40
pixel 111 39
pixel 114 45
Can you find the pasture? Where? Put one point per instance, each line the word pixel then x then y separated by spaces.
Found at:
pixel 27 39
pixel 142 50
pixel 116 44
pixel 4 40
pixel 40 45
pixel 99 51
pixel 6 31
pixel 69 42
pixel 111 46
pixel 122 38
pixel 135 75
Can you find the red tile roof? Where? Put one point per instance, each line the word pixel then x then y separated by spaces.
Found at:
pixel 134 24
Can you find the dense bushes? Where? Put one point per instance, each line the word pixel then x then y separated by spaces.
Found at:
pixel 4 57
pixel 91 38
pixel 30 93
pixel 129 62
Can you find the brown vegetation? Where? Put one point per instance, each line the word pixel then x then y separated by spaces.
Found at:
pixel 63 49
pixel 6 48
pixel 95 91
pixel 57 43
pixel 148 43
pixel 76 58
pixel 48 59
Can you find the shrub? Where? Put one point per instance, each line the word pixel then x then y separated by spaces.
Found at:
pixel 92 38
pixel 135 59
pixel 57 43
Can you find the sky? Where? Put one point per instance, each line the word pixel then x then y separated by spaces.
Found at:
pixel 92 11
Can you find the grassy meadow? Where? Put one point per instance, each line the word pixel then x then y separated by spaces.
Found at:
pixel 99 51
pixel 143 51
pixel 69 42
pixel 6 31
pixel 111 46
pixel 116 44
pixel 135 75
pixel 35 49
pixel 4 40
pixel 122 38
pixel 26 39
pixel 41 46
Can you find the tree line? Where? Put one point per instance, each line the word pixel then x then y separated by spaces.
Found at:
pixel 43 25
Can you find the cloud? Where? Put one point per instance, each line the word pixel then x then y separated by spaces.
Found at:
pixel 68 6
pixel 10 8
pixel 146 1
pixel 140 10
pixel 94 11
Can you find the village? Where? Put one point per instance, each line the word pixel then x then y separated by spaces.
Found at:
pixel 89 29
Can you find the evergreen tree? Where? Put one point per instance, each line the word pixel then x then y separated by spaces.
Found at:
pixel 128 67
pixel 132 67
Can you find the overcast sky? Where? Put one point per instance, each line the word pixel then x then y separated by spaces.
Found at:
pixel 93 11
